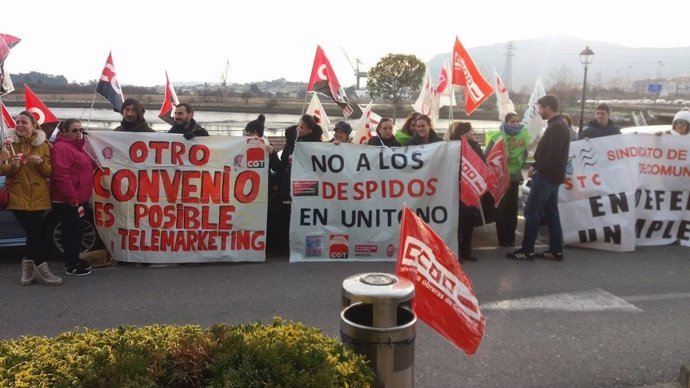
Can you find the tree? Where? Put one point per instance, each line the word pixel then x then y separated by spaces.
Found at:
pixel 394 77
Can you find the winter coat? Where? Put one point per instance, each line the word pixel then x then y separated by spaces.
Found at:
pixel 377 141
pixel 72 180
pixel 28 184
pixel 286 164
pixel 192 126
pixel 139 126
pixel 594 129
pixel 417 140
pixel 551 156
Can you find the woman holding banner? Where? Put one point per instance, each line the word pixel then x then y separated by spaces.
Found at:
pixel 425 132
pixel 70 190
pixel 27 173
pixel 384 131
pixel 516 137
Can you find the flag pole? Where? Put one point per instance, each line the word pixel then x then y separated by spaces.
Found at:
pixel 304 103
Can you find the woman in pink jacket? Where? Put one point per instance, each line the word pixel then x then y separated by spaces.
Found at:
pixel 70 190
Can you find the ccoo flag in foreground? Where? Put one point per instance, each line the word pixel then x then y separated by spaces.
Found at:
pixel 444 297
pixel 33 104
pixel 170 101
pixel 108 85
pixel 465 73
pixel 497 161
pixel 323 80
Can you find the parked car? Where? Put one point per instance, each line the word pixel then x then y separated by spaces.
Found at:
pixel 12 234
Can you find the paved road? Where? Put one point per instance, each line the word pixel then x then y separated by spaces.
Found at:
pixel 598 319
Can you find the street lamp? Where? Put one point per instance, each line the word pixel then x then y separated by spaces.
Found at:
pixel 586 59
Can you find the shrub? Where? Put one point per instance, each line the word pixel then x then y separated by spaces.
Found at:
pixel 281 354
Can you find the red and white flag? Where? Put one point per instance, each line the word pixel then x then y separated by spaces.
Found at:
pixel 33 104
pixel 427 103
pixel 503 102
pixel 444 88
pixel 497 161
pixel 323 80
pixel 170 101
pixel 475 176
pixel 465 73
pixel 7 117
pixel 316 109
pixel 444 297
pixel 6 43
pixel 366 126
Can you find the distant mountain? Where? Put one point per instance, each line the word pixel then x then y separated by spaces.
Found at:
pixel 540 57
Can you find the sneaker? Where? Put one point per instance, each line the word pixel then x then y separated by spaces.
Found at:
pixel 548 255
pixel 78 270
pixel 520 255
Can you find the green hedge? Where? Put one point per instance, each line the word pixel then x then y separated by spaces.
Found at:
pixel 283 354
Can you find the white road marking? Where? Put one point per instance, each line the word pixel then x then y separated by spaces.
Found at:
pixel 585 301
pixel 671 295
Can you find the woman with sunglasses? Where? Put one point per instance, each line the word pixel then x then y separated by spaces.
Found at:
pixel 70 190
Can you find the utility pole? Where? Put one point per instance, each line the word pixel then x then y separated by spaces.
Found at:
pixel 508 66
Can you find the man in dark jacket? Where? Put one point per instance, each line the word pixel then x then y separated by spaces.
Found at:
pixel 548 172
pixel 601 125
pixel 184 122
pixel 133 117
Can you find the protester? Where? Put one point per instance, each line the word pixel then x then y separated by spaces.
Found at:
pixel 468 215
pixel 516 137
pixel 27 173
pixel 256 129
pixel 405 133
pixel 384 130
pixel 308 130
pixel 184 122
pixel 133 117
pixel 70 191
pixel 341 133
pixel 548 172
pixel 681 122
pixel 601 125
pixel 425 132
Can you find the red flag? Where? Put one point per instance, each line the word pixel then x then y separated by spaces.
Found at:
pixel 475 176
pixel 444 297
pixel 7 117
pixel 497 161
pixel 170 101
pixel 33 104
pixel 465 73
pixel 323 80
pixel 108 85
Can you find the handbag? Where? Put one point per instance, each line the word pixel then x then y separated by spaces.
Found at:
pixel 4 196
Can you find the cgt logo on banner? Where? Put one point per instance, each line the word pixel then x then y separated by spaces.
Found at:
pixel 444 297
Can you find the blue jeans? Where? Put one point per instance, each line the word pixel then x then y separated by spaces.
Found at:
pixel 542 204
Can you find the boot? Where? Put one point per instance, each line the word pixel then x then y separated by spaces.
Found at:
pixel 28 272
pixel 44 276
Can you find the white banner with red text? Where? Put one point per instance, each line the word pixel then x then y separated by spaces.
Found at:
pixel 347 199
pixel 159 198
pixel 625 191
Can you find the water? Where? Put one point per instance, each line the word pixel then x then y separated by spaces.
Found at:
pixel 222 123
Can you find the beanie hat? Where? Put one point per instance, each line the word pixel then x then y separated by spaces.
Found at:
pixel 256 126
pixel 682 115
pixel 343 126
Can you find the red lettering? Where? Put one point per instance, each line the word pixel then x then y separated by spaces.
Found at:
pixel 98 185
pixel 138 152
pixel 247 186
pixel 159 147
pixel 199 154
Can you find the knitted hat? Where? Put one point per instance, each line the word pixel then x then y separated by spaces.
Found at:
pixel 682 115
pixel 343 126
pixel 256 126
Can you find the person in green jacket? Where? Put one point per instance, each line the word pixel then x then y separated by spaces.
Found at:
pixel 404 134
pixel 516 138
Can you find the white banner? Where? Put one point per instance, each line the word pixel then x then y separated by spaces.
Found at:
pixel 162 199
pixel 627 190
pixel 347 199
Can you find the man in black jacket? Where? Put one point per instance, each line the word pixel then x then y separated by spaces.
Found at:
pixel 548 172
pixel 184 122
pixel 601 125
pixel 133 117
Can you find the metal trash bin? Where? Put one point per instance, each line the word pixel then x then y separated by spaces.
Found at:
pixel 377 321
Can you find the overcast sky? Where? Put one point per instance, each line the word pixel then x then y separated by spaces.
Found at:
pixel 266 40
